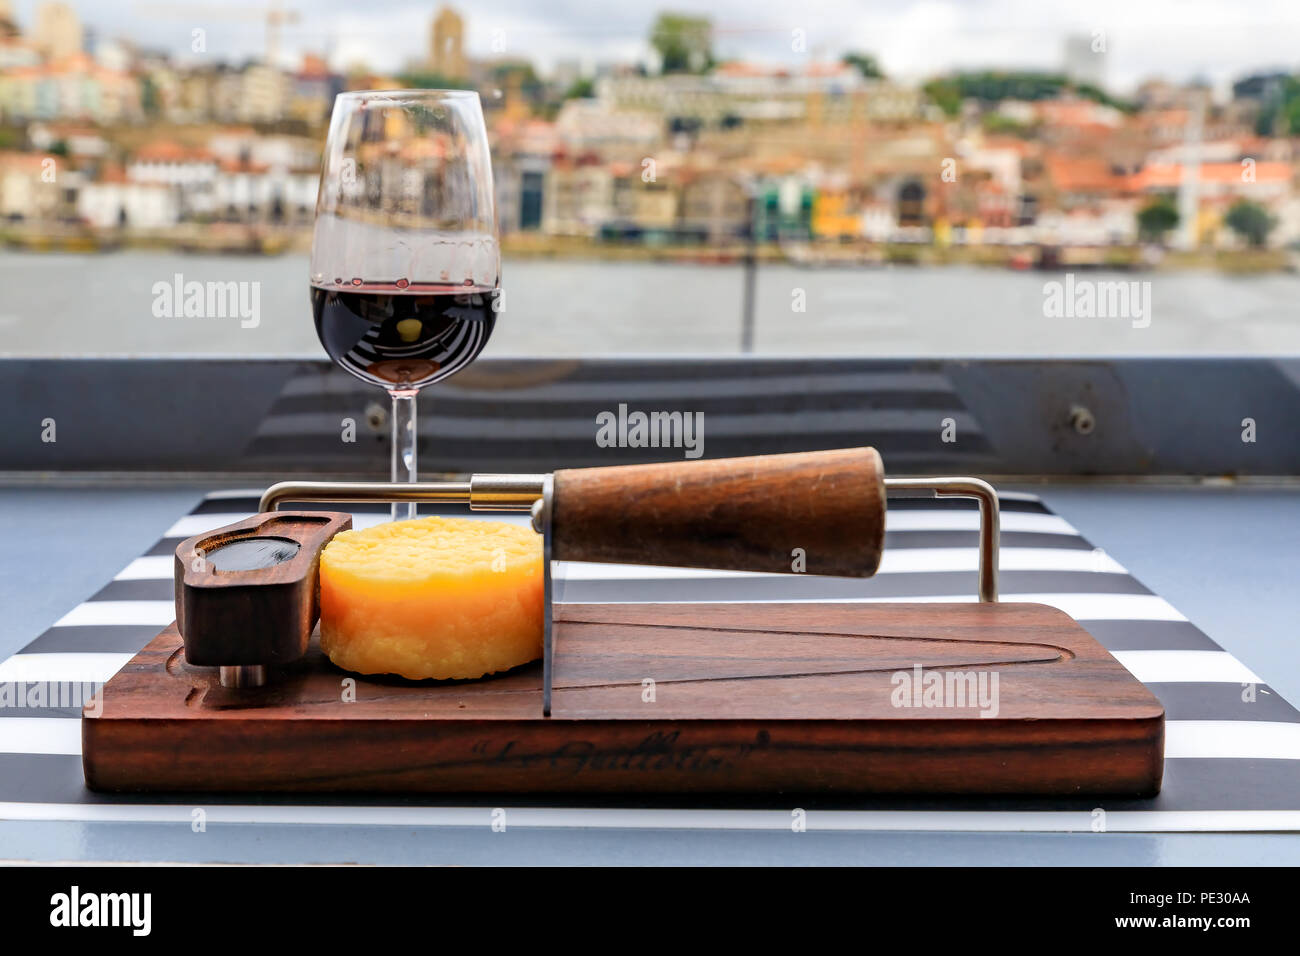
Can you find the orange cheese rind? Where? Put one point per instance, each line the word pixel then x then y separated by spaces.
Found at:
pixel 436 597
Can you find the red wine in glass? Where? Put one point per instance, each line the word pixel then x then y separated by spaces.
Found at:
pixel 403 335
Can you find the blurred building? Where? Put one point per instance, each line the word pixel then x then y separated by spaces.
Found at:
pixel 73 140
pixel 264 94
pixel 715 203
pixel 188 172
pixel 8 22
pixel 265 178
pixel 1261 87
pixel 1158 94
pixel 1085 62
pixel 783 205
pixel 522 153
pixel 225 94
pixel 447 45
pixel 313 91
pixel 589 125
pixel 57 33
pixel 578 197
pixel 16 53
pixel 738 93
pixel 72 88
pixel 32 187
pixel 113 201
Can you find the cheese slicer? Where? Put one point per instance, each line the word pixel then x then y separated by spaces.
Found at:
pixel 811 512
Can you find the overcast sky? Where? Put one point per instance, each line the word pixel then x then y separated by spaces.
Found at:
pixel 1177 39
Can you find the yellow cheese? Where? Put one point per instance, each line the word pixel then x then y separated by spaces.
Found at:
pixel 432 598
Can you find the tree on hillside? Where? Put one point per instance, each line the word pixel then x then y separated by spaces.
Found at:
pixel 422 80
pixel 944 94
pixel 865 62
pixel 1251 221
pixel 1279 109
pixel 580 89
pixel 993 86
pixel 1157 218
pixel 685 43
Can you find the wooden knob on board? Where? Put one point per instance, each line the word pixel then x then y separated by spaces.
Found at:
pixel 248 594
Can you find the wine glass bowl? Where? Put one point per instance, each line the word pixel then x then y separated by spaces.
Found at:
pixel 405 266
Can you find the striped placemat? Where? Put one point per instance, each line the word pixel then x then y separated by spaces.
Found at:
pixel 539 416
pixel 1232 744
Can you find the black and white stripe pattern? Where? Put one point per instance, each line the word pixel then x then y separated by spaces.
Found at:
pixel 539 416
pixel 1233 762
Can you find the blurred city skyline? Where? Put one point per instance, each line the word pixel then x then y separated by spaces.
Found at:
pixel 107 140
pixel 1214 41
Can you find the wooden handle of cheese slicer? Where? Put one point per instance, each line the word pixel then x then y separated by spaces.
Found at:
pixel 739 514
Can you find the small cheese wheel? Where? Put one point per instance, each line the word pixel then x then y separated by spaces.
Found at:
pixel 432 598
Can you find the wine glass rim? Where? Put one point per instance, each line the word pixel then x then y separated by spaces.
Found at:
pixel 409 94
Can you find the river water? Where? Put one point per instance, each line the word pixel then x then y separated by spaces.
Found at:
pixel 111 304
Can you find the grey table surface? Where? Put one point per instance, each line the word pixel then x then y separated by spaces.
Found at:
pixel 1227 557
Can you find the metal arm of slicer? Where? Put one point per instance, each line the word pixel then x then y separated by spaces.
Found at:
pixel 481 492
pixel 990 520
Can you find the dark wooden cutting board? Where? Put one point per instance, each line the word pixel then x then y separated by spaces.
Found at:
pixel 758 698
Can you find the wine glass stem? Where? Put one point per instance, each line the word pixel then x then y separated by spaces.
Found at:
pixel 404 442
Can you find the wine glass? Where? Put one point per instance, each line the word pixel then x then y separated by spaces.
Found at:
pixel 405 266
